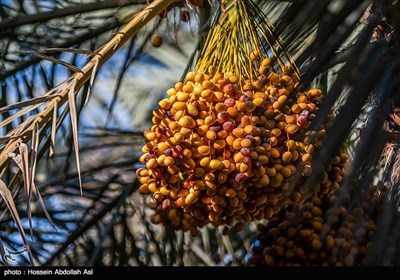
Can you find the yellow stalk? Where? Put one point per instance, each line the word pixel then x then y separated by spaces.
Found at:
pixel 235 37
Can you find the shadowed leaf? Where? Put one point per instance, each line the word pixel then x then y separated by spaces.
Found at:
pixel 7 197
pixel 74 123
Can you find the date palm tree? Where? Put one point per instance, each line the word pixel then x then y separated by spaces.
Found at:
pixel 79 80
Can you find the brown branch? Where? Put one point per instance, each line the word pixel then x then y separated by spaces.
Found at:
pixel 78 9
pixel 77 80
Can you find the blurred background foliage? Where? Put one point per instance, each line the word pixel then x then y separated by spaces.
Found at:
pixel 350 49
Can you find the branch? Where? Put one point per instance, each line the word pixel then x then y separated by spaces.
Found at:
pixel 77 80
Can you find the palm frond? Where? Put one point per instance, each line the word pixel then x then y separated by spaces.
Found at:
pixel 337 45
